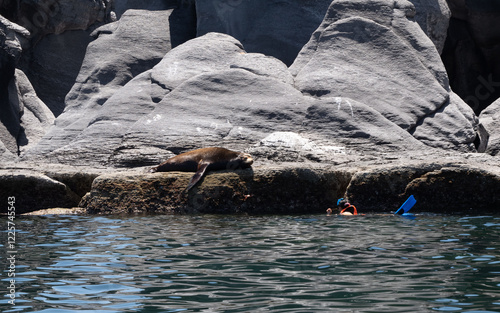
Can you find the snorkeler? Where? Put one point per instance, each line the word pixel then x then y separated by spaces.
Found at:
pixel 344 207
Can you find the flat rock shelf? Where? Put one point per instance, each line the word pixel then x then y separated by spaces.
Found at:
pixel 446 185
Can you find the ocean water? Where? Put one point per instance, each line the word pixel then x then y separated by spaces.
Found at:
pixel 372 263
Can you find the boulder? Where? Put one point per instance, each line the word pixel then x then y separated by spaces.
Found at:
pixel 490 119
pixel 182 21
pixel 371 52
pixel 121 51
pixel 57 41
pixel 437 187
pixel 34 191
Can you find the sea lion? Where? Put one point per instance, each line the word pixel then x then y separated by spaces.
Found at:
pixel 201 160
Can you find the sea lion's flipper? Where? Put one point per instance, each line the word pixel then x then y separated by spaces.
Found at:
pixel 202 167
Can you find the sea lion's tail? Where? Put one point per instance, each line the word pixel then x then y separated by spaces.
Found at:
pixel 153 169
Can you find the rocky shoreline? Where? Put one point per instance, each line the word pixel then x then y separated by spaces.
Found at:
pixel 372 100
pixel 442 183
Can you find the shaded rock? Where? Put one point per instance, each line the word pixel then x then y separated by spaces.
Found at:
pixel 450 186
pixel 272 27
pixel 371 52
pixel 490 119
pixel 24 118
pixel 182 22
pixel 53 64
pixel 79 182
pixel 55 17
pixel 34 191
pixel 123 50
pixel 262 191
pixel 63 186
pixel 445 188
pixel 35 116
pixel 12 37
pixel 54 60
pixel 472 51
pixel 456 125
pixel 384 188
pixel 438 187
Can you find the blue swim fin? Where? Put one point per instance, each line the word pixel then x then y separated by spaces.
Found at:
pixel 409 203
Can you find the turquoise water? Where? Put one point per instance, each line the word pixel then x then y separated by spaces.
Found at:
pixel 255 264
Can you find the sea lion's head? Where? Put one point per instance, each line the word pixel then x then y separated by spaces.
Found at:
pixel 246 159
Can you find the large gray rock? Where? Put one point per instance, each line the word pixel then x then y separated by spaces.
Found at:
pixel 490 118
pixel 122 50
pixel 370 51
pixel 209 91
pixel 272 27
pixel 112 133
pixel 368 81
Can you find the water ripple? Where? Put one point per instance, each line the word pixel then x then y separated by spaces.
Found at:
pixel 257 264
